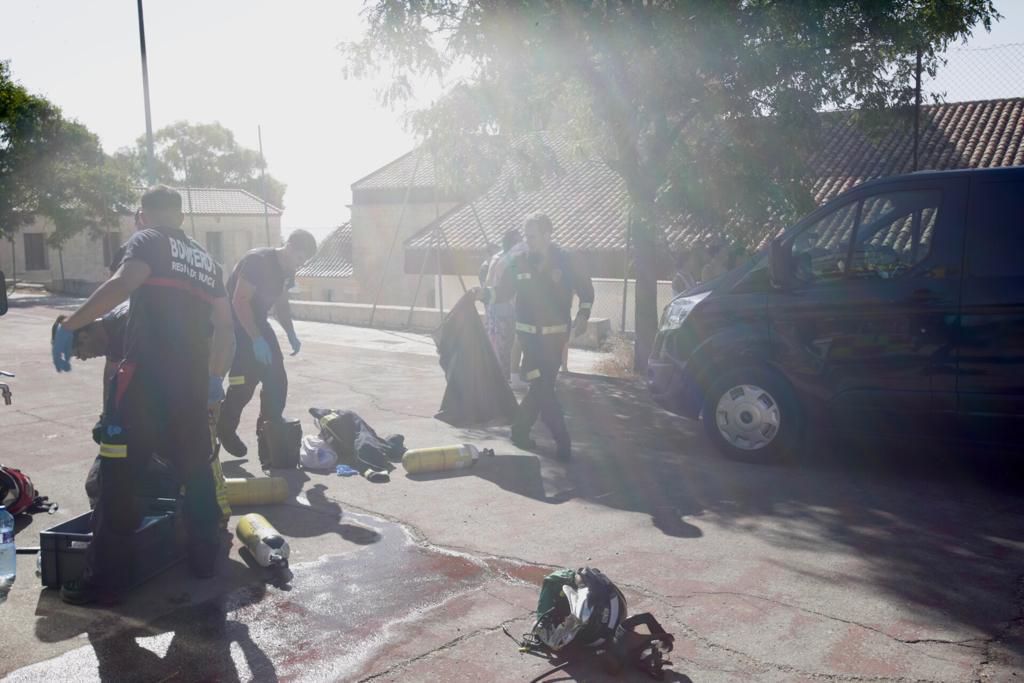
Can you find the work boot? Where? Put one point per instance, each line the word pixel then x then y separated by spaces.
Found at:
pixel 523 441
pixel 203 567
pixel 232 444
pixel 204 557
pixel 564 452
pixel 83 592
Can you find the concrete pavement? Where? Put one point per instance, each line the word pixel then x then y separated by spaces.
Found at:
pixel 851 568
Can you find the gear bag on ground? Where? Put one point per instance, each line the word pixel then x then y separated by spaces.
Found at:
pixel 581 613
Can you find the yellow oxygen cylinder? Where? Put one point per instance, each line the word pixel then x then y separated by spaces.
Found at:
pixel 267 546
pixel 441 458
pixel 256 490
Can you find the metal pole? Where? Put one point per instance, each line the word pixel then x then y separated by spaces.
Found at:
pixel 419 284
pixel 394 238
pixel 188 195
pixel 476 217
pixel 191 214
pixel 448 246
pixel 263 184
pixel 150 171
pixel 917 106
pixel 440 279
pixel 437 216
pixel 60 257
pixel 625 274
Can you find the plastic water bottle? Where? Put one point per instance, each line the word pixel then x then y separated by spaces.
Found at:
pixel 8 555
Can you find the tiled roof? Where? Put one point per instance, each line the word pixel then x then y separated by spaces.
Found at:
pixel 584 198
pixel 222 201
pixel 333 257
pixel 587 201
pixel 980 134
pixel 399 173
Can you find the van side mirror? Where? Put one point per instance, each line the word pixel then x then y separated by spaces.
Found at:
pixel 3 293
pixel 780 268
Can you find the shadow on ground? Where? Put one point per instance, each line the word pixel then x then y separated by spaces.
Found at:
pixel 939 528
pixel 160 632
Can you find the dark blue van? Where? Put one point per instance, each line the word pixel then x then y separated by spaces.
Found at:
pixel 896 308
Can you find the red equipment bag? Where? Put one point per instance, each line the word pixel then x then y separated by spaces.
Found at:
pixel 18 495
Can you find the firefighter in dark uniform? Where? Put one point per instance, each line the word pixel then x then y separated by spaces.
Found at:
pixel 542 280
pixel 172 370
pixel 258 283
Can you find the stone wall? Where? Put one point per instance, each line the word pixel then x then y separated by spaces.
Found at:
pixel 608 296
pixel 390 317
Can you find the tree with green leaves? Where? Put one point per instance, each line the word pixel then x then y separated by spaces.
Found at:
pixel 201 155
pixel 703 108
pixel 53 168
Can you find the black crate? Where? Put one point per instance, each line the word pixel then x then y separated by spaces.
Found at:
pixel 63 547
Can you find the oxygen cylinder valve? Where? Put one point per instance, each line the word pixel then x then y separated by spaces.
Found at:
pixel 267 546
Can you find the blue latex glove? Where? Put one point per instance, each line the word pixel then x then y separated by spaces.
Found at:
pixel 63 340
pixel 261 349
pixel 293 339
pixel 346 471
pixel 215 392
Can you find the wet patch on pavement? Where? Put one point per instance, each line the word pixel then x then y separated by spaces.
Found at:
pixel 342 617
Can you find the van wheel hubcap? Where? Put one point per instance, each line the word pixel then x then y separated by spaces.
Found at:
pixel 748 417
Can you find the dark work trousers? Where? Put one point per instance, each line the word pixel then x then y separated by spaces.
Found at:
pixel 246 373
pixel 542 356
pixel 141 420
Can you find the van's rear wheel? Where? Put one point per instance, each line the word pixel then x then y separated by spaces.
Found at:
pixel 751 414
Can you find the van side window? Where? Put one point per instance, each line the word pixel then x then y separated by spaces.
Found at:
pixel 820 251
pixel 894 233
pixel 995 242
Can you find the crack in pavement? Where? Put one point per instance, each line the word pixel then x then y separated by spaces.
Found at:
pixel 400 666
pixel 764 667
pixel 908 641
pixel 1017 622
pixel 420 538
pixel 40 418
pixel 374 401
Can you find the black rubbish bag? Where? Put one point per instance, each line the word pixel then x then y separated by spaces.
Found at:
pixel 477 391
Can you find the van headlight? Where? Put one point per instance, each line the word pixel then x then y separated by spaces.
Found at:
pixel 676 312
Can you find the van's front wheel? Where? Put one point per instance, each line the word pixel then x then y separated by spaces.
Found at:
pixel 751 414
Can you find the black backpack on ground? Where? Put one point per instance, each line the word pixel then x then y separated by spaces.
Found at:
pixel 278 443
pixel 581 613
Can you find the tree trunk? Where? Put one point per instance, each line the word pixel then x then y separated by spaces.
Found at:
pixel 646 304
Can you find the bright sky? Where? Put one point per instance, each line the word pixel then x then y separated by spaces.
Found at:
pixel 244 63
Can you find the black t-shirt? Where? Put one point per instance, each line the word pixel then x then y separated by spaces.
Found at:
pixel 261 269
pixel 114 324
pixel 167 336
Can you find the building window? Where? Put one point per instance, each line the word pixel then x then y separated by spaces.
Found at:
pixel 111 243
pixel 36 252
pixel 215 245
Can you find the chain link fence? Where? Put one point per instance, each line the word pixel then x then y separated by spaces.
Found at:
pixel 963 75
pixel 986 73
